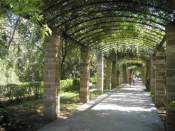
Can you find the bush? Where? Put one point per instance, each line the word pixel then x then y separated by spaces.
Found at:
pixel 10 122
pixel 15 123
pixel 21 90
pixel 3 118
pixel 93 81
pixel 70 85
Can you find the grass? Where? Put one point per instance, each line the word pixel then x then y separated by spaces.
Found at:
pixel 32 111
pixel 68 102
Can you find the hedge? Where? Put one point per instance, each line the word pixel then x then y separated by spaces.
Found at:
pixel 26 90
pixel 22 90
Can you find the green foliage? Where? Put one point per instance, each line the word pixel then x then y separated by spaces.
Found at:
pixel 11 122
pixel 152 96
pixel 22 59
pixel 104 78
pixel 22 90
pixel 46 30
pixel 70 85
pixel 67 97
pixel 70 61
pixel 3 118
pixel 172 104
pixel 15 123
pixel 93 81
pixel 24 7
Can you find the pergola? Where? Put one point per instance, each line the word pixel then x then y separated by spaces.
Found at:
pixel 111 28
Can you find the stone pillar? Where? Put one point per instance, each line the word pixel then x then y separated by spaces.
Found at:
pixel 143 76
pixel 127 74
pixel 152 81
pixel 113 74
pixel 100 73
pixel 118 72
pixel 170 76
pixel 84 74
pixel 108 74
pixel 51 96
pixel 124 74
pixel 149 75
pixel 121 73
pixel 160 77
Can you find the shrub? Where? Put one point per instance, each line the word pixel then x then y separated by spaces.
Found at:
pixel 21 90
pixel 93 81
pixel 70 85
pixel 3 118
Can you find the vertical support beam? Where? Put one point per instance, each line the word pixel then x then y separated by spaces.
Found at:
pixel 160 77
pixel 84 74
pixel 118 72
pixel 170 76
pixel 52 74
pixel 100 73
pixel 114 74
pixel 152 81
pixel 121 73
pixel 127 74
pixel 124 74
pixel 108 74
pixel 149 75
pixel 143 76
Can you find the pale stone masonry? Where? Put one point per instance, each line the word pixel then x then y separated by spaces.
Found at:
pixel 152 80
pixel 113 74
pixel 149 75
pixel 160 77
pixel 143 76
pixel 127 74
pixel 51 96
pixel 117 82
pixel 124 74
pixel 108 74
pixel 121 74
pixel 170 76
pixel 100 71
pixel 84 74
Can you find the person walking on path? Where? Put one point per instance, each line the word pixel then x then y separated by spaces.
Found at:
pixel 134 79
pixel 130 80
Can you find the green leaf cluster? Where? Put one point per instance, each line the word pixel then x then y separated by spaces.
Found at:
pixel 11 122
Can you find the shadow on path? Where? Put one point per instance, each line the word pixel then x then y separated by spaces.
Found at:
pixel 126 108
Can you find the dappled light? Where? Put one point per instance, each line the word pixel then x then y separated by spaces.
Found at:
pixel 113 59
pixel 123 108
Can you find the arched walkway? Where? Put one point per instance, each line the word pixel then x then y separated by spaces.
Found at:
pixel 126 108
pixel 114 29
